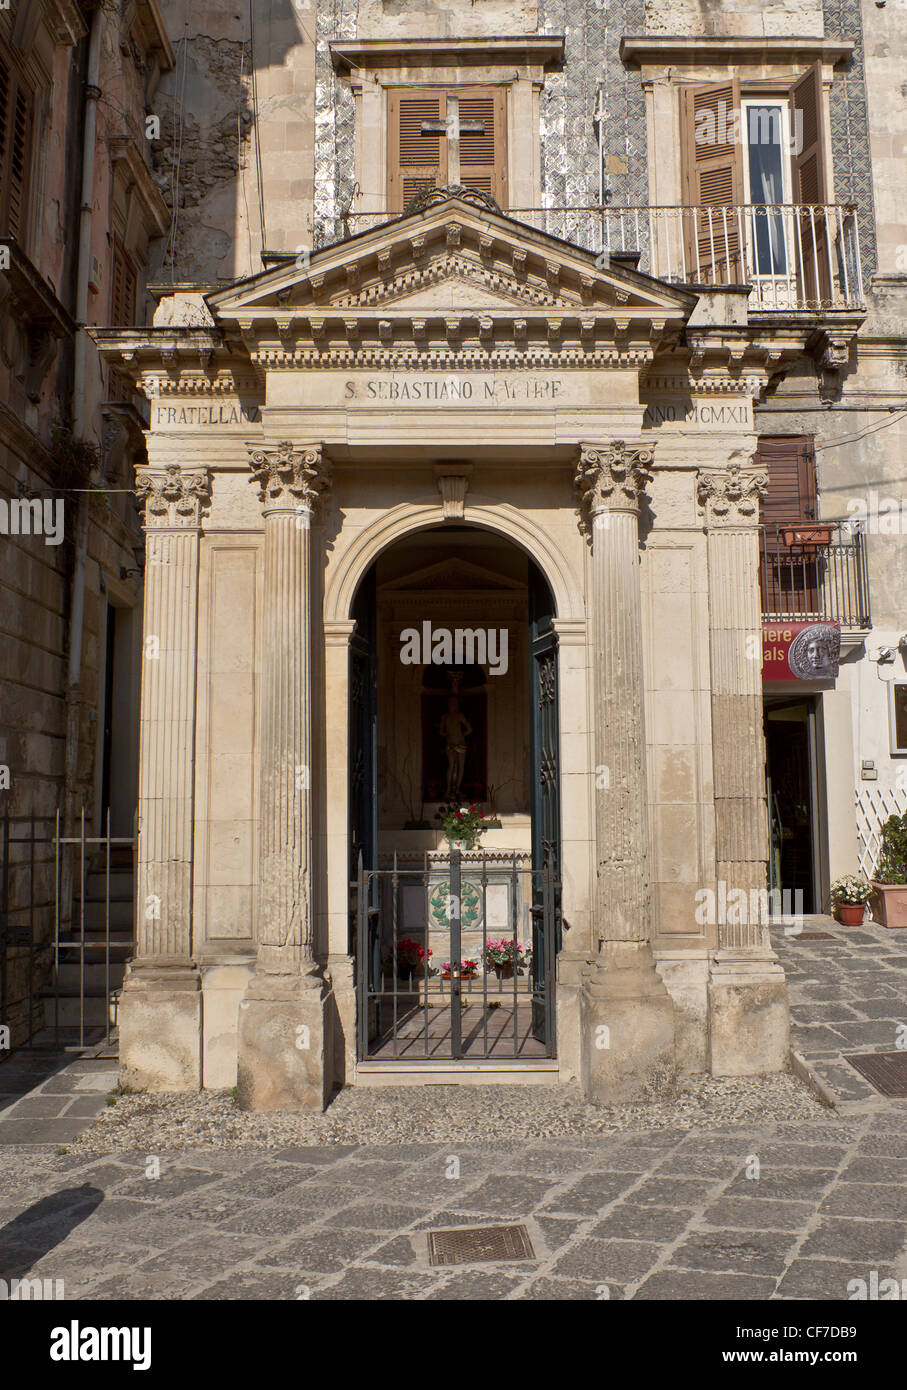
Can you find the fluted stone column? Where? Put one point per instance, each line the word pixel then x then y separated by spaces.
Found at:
pixel 160 1006
pixel 748 1009
pixel 627 1018
pixel 284 1046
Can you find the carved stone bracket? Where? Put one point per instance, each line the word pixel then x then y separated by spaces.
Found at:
pixel 453 482
pixel 287 477
pixel 174 496
pixel 730 496
pixel 611 477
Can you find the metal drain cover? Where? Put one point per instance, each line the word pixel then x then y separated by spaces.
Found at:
pixel 815 936
pixel 886 1071
pixel 470 1244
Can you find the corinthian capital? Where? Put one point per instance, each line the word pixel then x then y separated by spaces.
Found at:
pixel 730 496
pixel 611 477
pixel 289 478
pixel 174 496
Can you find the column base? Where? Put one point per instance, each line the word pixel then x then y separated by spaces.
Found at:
pixel 749 1023
pixel 627 1027
pixel 160 1026
pixel 285 1042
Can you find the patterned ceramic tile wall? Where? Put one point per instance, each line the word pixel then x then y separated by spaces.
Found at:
pixel 569 134
pixel 850 126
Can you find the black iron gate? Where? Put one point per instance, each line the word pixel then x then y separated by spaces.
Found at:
pixel 456 958
pixel 66 931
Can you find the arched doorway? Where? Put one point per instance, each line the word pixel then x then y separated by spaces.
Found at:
pixel 454 702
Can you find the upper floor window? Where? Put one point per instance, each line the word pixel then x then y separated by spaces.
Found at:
pixel 122 288
pixel 756 157
pixel 446 135
pixel 15 148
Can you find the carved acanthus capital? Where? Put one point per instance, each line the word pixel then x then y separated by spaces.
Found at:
pixel 730 496
pixel 289 478
pixel 611 478
pixel 173 496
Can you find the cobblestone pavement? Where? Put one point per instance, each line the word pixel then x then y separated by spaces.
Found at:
pixel 754 1210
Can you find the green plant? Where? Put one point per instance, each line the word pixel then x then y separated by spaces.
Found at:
pixel 506 952
pixel 851 889
pixel 892 865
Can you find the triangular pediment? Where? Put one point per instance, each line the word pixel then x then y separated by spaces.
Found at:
pixel 452 574
pixel 451 257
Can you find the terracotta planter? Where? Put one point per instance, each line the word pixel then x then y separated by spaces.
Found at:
pixel 806 533
pixel 889 904
pixel 850 914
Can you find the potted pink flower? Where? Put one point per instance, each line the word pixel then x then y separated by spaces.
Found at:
pixel 506 956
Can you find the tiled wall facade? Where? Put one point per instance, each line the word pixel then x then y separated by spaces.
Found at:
pixel 850 126
pixel 569 134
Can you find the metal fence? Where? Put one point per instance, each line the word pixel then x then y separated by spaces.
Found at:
pixel 456 959
pixel 66 930
pixel 795 256
pixel 815 570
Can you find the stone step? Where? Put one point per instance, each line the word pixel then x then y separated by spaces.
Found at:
pixel 537 1073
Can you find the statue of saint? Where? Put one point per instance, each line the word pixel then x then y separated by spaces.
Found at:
pixel 455 729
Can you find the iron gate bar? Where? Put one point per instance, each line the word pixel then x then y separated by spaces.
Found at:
pixel 453 923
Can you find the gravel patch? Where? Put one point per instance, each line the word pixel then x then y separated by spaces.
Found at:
pixel 438 1114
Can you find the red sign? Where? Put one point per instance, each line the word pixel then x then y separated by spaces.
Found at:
pixel 800 651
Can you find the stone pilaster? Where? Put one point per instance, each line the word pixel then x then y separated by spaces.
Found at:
pixel 627 1016
pixel 747 991
pixel 160 1007
pixel 284 1038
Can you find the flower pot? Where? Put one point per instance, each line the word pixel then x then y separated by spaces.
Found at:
pixel 505 970
pixel 889 904
pixel 806 533
pixel 850 914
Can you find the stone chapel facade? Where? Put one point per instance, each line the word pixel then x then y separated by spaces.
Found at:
pixel 436 411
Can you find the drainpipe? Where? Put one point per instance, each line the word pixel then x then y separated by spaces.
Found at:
pixel 80 414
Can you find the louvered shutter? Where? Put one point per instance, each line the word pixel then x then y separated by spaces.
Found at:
pixel 810 186
pixel 483 158
pixel 789 574
pixel 122 290
pixel 790 464
pixel 15 108
pixel 713 178
pixel 415 161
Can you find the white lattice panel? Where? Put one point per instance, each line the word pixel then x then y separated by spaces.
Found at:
pixel 874 805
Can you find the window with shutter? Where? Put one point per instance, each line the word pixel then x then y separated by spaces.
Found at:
pixel 713 179
pixel 426 150
pixel 122 289
pixel 15 148
pixel 789 573
pixel 810 184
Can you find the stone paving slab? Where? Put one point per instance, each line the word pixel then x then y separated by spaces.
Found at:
pixel 673 1212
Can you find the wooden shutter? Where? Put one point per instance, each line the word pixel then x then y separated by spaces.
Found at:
pixel 810 186
pixel 15 141
pixel 414 160
pixel 790 463
pixel 483 158
pixel 713 178
pixel 122 290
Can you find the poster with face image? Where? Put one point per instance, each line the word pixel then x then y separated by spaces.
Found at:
pixel 800 651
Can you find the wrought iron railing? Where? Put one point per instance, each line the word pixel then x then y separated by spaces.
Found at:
pixel 795 257
pixel 815 570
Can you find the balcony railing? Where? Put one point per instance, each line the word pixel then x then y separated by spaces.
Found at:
pixel 815 570
pixel 796 257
